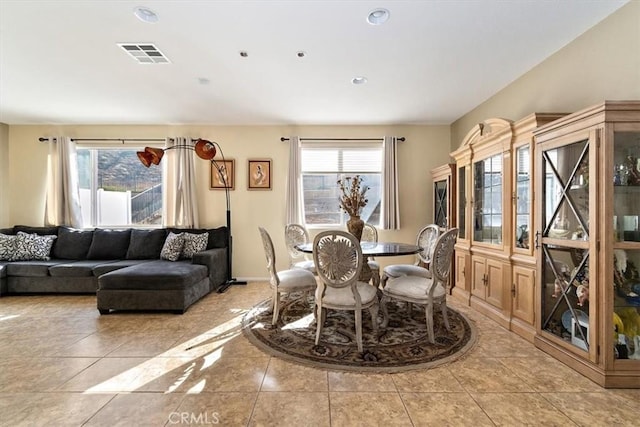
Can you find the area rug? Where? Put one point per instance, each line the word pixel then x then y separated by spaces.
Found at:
pixel 402 345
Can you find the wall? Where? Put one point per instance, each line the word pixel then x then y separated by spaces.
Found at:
pixel 425 147
pixel 601 64
pixel 4 175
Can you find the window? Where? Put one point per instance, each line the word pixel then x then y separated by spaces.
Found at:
pixel 116 189
pixel 323 164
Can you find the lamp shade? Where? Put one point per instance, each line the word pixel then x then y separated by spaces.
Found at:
pixel 205 149
pixel 145 158
pixel 156 154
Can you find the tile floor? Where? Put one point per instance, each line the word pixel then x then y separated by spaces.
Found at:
pixel 61 363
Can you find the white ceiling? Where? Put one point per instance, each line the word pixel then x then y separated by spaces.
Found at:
pixel 432 62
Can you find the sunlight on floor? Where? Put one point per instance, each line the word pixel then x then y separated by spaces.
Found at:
pixel 205 349
pixel 8 316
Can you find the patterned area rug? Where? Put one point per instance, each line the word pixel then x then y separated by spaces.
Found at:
pixel 403 345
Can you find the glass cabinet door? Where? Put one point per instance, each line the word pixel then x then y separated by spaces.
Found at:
pixel 487 195
pixel 626 253
pixel 462 203
pixel 441 203
pixel 523 198
pixel 565 243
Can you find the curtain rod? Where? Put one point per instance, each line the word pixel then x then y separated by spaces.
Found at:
pixel 339 139
pixel 41 139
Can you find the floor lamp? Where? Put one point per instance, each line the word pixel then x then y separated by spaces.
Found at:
pixel 206 150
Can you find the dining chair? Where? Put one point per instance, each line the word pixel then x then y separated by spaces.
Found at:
pixel 425 291
pixel 338 258
pixel 370 235
pixel 284 281
pixel 295 234
pixel 426 240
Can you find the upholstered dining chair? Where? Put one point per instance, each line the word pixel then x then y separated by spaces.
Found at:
pixel 338 258
pixel 295 234
pixel 425 239
pixel 370 235
pixel 284 281
pixel 425 291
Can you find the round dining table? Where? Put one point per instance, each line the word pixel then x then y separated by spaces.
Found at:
pixel 373 249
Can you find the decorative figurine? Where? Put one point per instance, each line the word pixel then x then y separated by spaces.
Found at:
pixel 582 292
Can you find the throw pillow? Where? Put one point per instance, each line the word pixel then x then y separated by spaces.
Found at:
pixel 194 243
pixel 146 244
pixel 7 247
pixel 172 247
pixel 109 244
pixel 72 244
pixel 32 246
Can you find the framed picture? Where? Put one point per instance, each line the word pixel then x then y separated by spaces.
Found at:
pixel 227 168
pixel 259 174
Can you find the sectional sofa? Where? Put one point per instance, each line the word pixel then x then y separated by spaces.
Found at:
pixel 128 269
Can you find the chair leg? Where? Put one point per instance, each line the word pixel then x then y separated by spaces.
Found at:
pixel 320 316
pixel 385 312
pixel 429 317
pixel 276 308
pixel 358 314
pixel 443 306
pixel 373 310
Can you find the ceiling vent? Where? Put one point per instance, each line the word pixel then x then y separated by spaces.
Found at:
pixel 144 53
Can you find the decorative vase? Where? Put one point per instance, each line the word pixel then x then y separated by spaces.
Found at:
pixel 355 226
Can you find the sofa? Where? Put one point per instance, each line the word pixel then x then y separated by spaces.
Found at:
pixel 127 269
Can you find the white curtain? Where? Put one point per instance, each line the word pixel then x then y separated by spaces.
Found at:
pixel 390 197
pixel 181 200
pixel 62 203
pixel 294 187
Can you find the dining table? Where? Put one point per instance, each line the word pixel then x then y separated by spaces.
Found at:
pixel 373 249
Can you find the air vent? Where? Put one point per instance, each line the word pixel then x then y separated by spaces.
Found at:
pixel 144 53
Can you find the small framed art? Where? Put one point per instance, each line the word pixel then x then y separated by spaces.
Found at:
pixel 259 174
pixel 225 172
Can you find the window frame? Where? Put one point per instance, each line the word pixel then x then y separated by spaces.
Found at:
pixel 341 172
pixel 93 149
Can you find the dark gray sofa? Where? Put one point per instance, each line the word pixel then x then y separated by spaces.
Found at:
pixel 123 268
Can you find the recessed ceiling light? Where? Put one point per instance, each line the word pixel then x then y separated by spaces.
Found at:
pixel 378 16
pixel 360 80
pixel 145 14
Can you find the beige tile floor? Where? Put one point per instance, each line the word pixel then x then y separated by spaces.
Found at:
pixel 61 363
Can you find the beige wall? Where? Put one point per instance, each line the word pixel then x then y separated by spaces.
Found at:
pixel 601 64
pixel 425 148
pixel 4 175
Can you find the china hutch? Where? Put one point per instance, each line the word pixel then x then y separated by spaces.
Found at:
pixel 444 184
pixel 494 261
pixel 444 200
pixel 587 242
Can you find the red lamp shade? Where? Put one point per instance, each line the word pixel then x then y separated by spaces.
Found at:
pixel 150 155
pixel 156 154
pixel 145 158
pixel 205 149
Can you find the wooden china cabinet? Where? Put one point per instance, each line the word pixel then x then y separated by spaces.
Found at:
pixel 588 238
pixel 444 200
pixel 494 258
pixel 444 197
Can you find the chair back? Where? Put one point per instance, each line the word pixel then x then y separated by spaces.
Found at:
pixel 442 253
pixel 295 234
pixel 270 254
pixel 338 258
pixel 369 233
pixel 427 238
